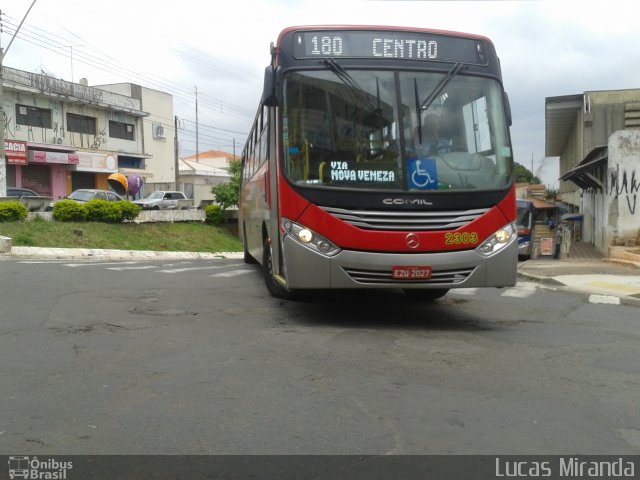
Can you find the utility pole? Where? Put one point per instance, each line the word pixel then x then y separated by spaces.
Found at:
pixel 3 160
pixel 532 174
pixel 197 149
pixel 175 152
pixel 3 156
pixel 71 57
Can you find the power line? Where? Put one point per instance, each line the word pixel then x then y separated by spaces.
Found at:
pixel 212 136
pixel 217 128
pixel 48 41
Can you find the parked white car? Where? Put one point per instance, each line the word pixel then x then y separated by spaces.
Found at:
pixel 163 200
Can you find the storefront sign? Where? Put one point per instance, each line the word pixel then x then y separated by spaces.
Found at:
pixel 16 152
pixel 96 162
pixel 37 156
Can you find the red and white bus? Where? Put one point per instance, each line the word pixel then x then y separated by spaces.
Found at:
pixel 380 157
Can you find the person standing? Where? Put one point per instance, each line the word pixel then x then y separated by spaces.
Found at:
pixel 558 241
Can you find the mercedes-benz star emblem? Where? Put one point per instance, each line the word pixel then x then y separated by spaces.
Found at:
pixel 412 240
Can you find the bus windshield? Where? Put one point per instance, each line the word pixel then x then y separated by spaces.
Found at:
pixel 394 130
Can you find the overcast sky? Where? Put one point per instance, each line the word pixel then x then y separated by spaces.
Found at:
pixel 547 48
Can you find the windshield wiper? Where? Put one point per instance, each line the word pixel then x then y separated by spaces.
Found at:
pixel 453 71
pixel 360 93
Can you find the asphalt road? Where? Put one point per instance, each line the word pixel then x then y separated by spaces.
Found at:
pixel 195 357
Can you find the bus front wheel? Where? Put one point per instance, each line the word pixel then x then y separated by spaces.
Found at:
pixel 275 288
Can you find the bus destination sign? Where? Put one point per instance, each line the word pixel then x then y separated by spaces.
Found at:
pixel 388 44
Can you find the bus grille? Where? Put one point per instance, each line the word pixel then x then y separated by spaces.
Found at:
pixel 440 277
pixel 400 221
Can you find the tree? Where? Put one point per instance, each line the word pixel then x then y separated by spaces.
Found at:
pixel 523 175
pixel 228 194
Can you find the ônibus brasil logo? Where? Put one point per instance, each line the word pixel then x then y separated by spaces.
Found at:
pixel 33 468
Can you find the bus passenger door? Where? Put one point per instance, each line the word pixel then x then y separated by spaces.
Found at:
pixel 273 204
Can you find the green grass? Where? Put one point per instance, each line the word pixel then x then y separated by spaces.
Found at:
pixel 180 236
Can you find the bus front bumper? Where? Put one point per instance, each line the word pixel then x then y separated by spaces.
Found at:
pixel 306 269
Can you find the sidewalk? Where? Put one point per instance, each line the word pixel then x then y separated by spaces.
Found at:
pixel 584 271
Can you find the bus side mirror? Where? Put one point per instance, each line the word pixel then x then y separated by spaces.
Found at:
pixel 269 95
pixel 507 108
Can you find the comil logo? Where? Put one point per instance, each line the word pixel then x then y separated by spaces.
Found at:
pixel 36 469
pixel 407 202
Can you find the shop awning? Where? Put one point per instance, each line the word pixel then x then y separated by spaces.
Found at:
pixel 541 204
pixel 585 174
pixel 47 147
pixel 572 217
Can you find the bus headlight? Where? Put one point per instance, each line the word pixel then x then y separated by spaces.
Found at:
pixel 305 235
pixel 309 238
pixel 498 240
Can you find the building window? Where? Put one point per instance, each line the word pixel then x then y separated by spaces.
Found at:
pixel 33 116
pixel 130 162
pixel 121 130
pixel 81 124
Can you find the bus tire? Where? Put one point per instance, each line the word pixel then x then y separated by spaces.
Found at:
pixel 427 295
pixel 274 287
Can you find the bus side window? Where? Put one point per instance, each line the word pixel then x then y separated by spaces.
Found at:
pixel 476 121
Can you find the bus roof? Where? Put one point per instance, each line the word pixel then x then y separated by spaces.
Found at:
pixel 362 44
pixel 381 27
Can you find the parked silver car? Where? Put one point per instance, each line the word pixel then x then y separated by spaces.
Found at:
pixel 30 199
pixel 21 192
pixel 83 195
pixel 165 200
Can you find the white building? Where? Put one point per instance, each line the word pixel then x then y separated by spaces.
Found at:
pixel 597 137
pixel 60 136
pixel 158 133
pixel 198 173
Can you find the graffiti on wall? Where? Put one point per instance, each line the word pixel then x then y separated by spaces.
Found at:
pixel 56 133
pixel 99 139
pixel 624 183
pixel 6 123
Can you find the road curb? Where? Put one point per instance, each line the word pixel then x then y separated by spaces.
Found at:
pixel 542 279
pixel 36 253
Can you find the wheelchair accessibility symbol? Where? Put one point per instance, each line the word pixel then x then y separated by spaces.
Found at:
pixel 423 174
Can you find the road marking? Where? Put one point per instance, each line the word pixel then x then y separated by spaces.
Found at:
pixel 233 273
pixel 39 262
pixel 606 299
pixel 137 267
pixel 98 264
pixel 464 291
pixel 521 290
pixel 212 267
